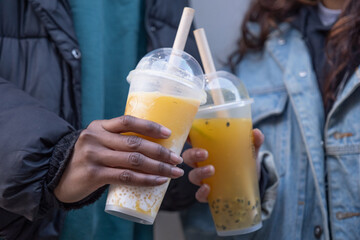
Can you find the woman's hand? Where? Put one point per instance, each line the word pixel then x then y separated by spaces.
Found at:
pixel 102 155
pixel 198 174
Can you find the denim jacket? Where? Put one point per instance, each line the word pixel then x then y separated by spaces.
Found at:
pixel 307 148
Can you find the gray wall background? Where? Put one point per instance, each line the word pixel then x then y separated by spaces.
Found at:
pixel 221 20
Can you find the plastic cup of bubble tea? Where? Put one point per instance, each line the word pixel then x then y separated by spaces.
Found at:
pixel 223 127
pixel 166 87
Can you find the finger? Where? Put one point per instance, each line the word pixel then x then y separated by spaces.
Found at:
pixel 194 155
pixel 197 175
pixel 258 141
pixel 140 163
pixel 258 138
pixel 127 143
pixel 128 123
pixel 128 177
pixel 202 193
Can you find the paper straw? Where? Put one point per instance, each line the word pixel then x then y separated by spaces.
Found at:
pixel 204 50
pixel 184 28
pixel 181 34
pixel 209 67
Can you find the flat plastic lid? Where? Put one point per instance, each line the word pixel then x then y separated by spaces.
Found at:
pixel 173 64
pixel 224 91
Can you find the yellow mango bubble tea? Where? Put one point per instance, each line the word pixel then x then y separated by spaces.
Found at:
pixel 234 198
pixel 225 131
pixel 167 94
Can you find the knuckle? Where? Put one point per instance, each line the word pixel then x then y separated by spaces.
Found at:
pixel 92 171
pixel 88 152
pixel 135 159
pixel 146 180
pixel 85 136
pixel 153 127
pixel 126 176
pixel 163 169
pixel 163 152
pixel 150 181
pixel 126 120
pixel 133 142
pixel 95 126
pixel 94 123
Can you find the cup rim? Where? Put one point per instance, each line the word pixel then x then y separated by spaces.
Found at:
pixel 213 108
pixel 202 94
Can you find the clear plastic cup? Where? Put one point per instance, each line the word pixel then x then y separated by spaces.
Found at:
pixel 225 131
pixel 166 87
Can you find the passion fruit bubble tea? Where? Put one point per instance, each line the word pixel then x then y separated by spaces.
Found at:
pixel 166 87
pixel 225 131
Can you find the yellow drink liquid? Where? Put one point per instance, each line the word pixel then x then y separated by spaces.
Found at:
pixel 175 113
pixel 234 198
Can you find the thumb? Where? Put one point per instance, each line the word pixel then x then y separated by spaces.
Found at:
pixel 258 140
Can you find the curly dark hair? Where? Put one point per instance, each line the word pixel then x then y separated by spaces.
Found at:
pixel 342 44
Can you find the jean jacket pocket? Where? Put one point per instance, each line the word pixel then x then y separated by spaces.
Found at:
pixel 267 104
pixel 269 115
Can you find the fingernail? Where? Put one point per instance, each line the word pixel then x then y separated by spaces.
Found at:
pixel 161 180
pixel 208 170
pixel 202 189
pixel 165 132
pixel 177 172
pixel 175 159
pixel 201 154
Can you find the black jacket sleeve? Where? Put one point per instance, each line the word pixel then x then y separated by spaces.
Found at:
pixel 49 220
pixel 28 134
pixel 35 147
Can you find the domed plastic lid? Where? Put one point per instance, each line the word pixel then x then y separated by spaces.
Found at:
pixel 171 63
pixel 224 91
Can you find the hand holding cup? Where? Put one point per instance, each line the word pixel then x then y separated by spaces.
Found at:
pixel 104 155
pixel 198 174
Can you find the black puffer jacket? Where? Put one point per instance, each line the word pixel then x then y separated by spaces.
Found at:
pixel 40 110
pixel 39 106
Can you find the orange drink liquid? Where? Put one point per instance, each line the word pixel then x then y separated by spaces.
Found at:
pixel 234 196
pixel 175 113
